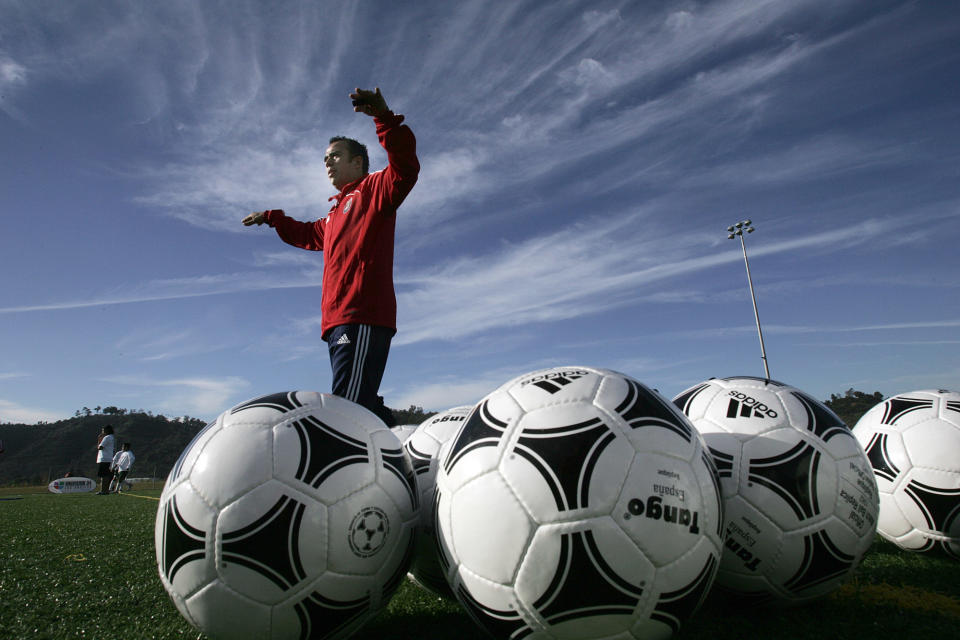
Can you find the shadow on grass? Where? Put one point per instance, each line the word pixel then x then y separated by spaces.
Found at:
pixel 892 591
pixel 416 614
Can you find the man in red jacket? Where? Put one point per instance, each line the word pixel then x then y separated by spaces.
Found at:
pixel 358 301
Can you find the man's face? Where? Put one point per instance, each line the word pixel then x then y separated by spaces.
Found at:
pixel 341 168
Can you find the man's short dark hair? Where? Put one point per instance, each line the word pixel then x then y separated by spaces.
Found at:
pixel 355 149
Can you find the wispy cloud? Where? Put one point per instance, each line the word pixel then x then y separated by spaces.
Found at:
pixel 932 324
pixel 590 97
pixel 781 329
pixel 180 288
pixel 946 378
pixel 582 269
pixel 219 192
pixel 809 159
pixel 189 395
pixel 161 343
pixel 13 75
pixel 17 413
pixel 585 268
pixel 884 343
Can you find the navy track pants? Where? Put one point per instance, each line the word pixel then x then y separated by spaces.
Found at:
pixel 358 357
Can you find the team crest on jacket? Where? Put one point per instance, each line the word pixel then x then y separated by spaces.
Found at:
pixel 348 205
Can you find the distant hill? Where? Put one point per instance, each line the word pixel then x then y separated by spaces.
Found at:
pixel 36 454
pixel 851 406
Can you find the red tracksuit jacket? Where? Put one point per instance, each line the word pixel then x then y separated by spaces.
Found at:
pixel 357 235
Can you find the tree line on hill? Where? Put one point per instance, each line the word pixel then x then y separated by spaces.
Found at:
pixel 36 454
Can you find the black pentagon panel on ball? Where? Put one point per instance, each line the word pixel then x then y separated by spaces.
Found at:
pixel 792 475
pixel 685 399
pixel 270 545
pixel 442 557
pixel 713 466
pixel 896 408
pixel 598 589
pixel 421 459
pixel 283 402
pixel 398 465
pixel 940 506
pixel 566 458
pixel 643 408
pixel 324 450
pixel 675 607
pixel 181 543
pixel 822 562
pixel 723 463
pixel 820 420
pixel 879 457
pixel 319 612
pixel 482 429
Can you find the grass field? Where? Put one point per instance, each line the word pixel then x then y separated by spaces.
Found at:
pixel 83 566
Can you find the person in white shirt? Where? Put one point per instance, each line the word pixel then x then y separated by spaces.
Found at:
pixel 105 446
pixel 116 457
pixel 121 467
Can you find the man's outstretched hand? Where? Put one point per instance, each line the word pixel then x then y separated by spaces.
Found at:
pixel 257 217
pixel 369 102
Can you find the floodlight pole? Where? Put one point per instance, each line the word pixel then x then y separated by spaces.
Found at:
pixel 737 231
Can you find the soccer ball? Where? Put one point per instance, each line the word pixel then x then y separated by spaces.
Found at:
pixel 913 442
pixel 423 447
pixel 577 503
pixel 403 431
pixel 292 515
pixel 801 502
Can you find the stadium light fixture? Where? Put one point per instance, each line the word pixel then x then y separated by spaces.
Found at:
pixel 737 231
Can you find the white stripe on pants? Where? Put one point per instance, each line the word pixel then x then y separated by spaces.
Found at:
pixel 359 356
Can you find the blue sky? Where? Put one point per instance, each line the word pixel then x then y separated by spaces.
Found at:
pixel 580 164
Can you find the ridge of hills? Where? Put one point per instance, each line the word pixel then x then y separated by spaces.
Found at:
pixel 37 454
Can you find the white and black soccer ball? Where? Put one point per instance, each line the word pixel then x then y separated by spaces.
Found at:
pixel 423 447
pixel 913 442
pixel 403 431
pixel 577 503
pixel 293 515
pixel 801 502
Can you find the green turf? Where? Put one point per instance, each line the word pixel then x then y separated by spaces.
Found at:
pixel 83 566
